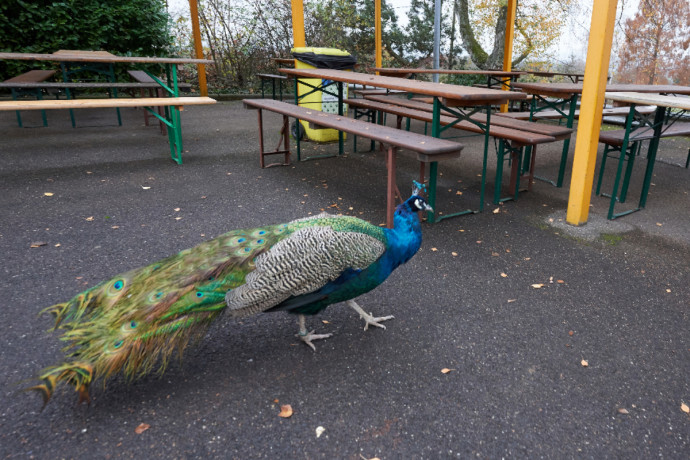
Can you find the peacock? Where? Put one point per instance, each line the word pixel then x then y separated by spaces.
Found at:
pixel 135 321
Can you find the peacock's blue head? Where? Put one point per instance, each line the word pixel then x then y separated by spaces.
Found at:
pixel 416 203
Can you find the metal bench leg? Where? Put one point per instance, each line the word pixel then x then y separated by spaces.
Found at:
pixel 607 148
pixel 391 186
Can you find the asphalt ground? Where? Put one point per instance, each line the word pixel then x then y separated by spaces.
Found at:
pixel 613 295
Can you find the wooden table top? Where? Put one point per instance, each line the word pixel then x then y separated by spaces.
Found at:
pixel 392 71
pixel 98 56
pixel 564 90
pixel 677 102
pixel 453 95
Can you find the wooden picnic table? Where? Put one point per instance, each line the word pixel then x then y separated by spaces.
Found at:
pixel 640 124
pixel 170 87
pixel 565 97
pixel 453 99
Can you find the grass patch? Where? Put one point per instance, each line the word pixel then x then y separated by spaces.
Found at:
pixel 611 239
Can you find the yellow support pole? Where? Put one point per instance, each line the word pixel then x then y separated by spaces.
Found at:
pixel 298 23
pixel 377 33
pixel 508 45
pixel 591 106
pixel 198 47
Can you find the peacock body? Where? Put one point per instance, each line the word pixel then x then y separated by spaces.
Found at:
pixel 135 321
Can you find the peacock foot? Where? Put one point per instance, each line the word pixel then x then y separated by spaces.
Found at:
pixel 369 319
pixel 307 337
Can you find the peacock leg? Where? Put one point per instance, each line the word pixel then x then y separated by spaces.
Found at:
pixel 368 317
pixel 307 337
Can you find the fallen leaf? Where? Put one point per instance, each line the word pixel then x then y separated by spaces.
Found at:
pixel 458 192
pixel 495 254
pixel 570 333
pixel 454 254
pixel 48 194
pixel 684 407
pixel 57 245
pixel 145 188
pixel 668 290
pixel 504 275
pixel 445 370
pixel 141 428
pixel 285 411
pixel 623 410
pixel 537 286
pixel 497 210
pixel 324 321
pixel 434 249
pixel 659 224
pixel 560 281
pixel 178 218
pixel 115 226
pixel 89 219
pixel 275 401
pixel 319 431
pixel 584 363
pixel 38 244
pixel 511 300
pixel 176 209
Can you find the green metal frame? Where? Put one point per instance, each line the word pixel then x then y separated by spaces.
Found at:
pixel 71 68
pixel 37 93
pixel 628 150
pixel 322 87
pixel 566 107
pixel 436 130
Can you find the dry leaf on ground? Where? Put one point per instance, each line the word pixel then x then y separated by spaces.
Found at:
pixel 584 363
pixel 623 410
pixel 38 244
pixel 48 194
pixel 319 431
pixel 537 286
pixel 445 370
pixel 285 411
pixel 684 407
pixel 504 275
pixel 141 428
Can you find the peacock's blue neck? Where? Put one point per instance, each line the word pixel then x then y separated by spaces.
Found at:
pixel 404 239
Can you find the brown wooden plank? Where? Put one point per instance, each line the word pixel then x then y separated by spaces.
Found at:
pixel 515 135
pixel 99 58
pixel 615 137
pixel 453 94
pixel 403 139
pixel 110 102
pixel 32 76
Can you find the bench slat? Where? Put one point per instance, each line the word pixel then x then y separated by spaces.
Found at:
pixel 31 76
pixel 111 102
pixel 554 114
pixel 502 132
pixel 615 137
pixel 412 141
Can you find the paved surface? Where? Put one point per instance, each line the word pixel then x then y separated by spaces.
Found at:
pixel 614 295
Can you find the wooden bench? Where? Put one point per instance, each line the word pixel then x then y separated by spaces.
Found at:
pixel 613 141
pixel 33 77
pixel 513 135
pixel 171 119
pixel 556 115
pixel 273 79
pixel 428 149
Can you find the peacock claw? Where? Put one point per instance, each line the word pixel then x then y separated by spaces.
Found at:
pixel 369 319
pixel 307 338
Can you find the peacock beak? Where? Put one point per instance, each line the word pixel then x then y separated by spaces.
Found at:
pixel 428 208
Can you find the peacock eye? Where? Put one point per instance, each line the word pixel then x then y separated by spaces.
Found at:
pixel 199 294
pixel 133 324
pixel 118 284
pixel 118 344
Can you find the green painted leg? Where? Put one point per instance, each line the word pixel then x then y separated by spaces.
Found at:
pixel 433 173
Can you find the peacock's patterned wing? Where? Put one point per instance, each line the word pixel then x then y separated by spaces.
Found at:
pixel 140 317
pixel 317 251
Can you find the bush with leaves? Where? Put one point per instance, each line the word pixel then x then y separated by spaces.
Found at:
pixel 128 27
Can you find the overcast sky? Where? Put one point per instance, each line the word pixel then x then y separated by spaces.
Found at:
pixel 573 41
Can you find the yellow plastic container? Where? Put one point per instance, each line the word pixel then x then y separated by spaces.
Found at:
pixel 317 99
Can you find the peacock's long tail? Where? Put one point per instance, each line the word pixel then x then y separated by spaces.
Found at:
pixel 79 375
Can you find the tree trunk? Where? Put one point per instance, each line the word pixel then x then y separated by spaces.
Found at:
pixel 479 57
